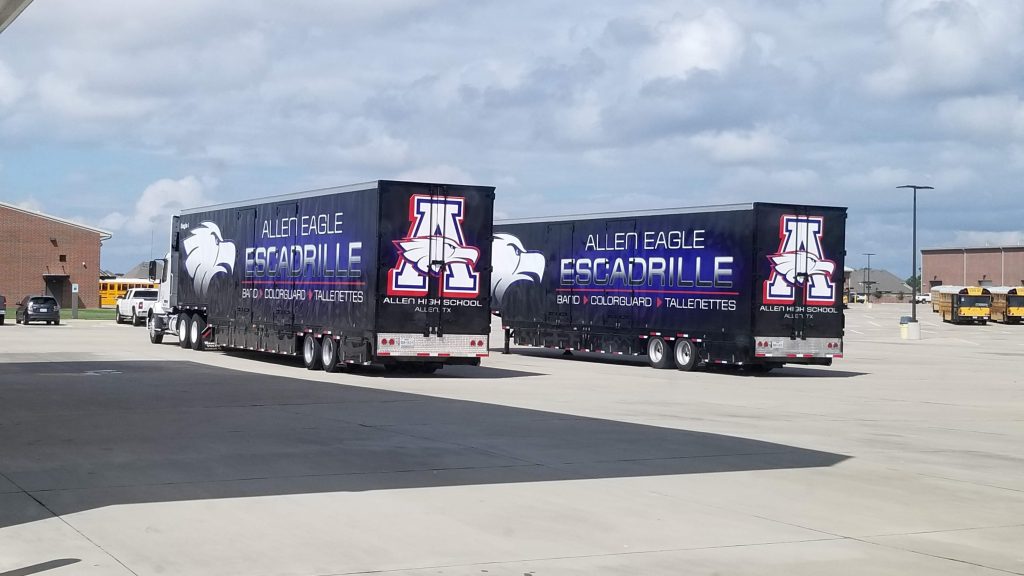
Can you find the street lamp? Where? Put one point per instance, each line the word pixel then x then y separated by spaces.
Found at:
pixel 913 262
pixel 867 281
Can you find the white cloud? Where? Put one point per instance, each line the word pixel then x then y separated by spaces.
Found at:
pixel 949 45
pixel 711 42
pixel 30 204
pixel 988 238
pixel 157 203
pixel 67 99
pixel 995 115
pixel 11 88
pixel 438 173
pixel 740 145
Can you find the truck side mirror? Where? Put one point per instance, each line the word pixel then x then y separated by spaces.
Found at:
pixel 153 270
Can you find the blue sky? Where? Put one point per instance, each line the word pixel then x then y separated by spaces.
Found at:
pixel 117 114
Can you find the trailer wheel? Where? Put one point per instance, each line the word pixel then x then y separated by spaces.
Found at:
pixel 311 352
pixel 195 336
pixel 659 353
pixel 685 355
pixel 155 336
pixel 329 355
pixel 184 320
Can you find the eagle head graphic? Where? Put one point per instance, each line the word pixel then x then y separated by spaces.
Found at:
pixel 799 265
pixel 206 255
pixel 430 254
pixel 512 262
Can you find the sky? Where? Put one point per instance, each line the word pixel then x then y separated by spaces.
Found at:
pixel 116 114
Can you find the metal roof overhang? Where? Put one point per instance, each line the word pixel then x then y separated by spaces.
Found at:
pixel 9 10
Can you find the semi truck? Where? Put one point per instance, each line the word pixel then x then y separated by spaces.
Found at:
pixel 754 285
pixel 389 273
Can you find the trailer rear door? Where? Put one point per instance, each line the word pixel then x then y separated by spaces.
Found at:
pixel 434 269
pixel 800 253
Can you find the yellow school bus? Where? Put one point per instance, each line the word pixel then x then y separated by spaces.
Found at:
pixel 1007 304
pixel 113 288
pixel 963 304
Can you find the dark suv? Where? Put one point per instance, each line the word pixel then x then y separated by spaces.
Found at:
pixel 3 309
pixel 36 308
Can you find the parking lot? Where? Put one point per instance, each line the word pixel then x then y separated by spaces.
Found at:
pixel 122 457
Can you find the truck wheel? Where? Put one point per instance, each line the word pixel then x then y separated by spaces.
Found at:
pixel 329 355
pixel 155 336
pixel 685 355
pixel 135 318
pixel 56 322
pixel 184 320
pixel 311 352
pixel 195 335
pixel 659 353
pixel 117 317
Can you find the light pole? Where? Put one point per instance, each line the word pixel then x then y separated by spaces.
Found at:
pixel 867 281
pixel 913 261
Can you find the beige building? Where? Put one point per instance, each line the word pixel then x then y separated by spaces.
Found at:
pixel 980 266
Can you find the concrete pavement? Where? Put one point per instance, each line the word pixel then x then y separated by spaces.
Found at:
pixel 121 457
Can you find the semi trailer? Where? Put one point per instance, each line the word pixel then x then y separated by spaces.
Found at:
pixel 388 272
pixel 756 285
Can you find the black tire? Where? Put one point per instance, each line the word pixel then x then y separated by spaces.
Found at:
pixel 48 322
pixel 155 336
pixel 311 352
pixel 117 317
pixel 195 333
pixel 2 318
pixel 659 353
pixel 56 322
pixel 685 355
pixel 329 355
pixel 135 318
pixel 184 323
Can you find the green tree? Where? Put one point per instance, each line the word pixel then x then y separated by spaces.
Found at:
pixel 914 282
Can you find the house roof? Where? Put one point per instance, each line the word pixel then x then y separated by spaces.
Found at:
pixel 104 235
pixel 881 280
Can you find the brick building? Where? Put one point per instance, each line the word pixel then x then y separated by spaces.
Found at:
pixel 42 254
pixel 988 266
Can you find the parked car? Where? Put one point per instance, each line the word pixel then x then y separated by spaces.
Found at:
pixel 3 309
pixel 135 304
pixel 924 298
pixel 37 309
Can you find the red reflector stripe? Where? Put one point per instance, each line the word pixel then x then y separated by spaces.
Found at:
pixel 444 354
pixel 383 353
pixel 482 355
pixel 423 353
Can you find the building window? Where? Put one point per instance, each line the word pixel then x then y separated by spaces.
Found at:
pixel 63 257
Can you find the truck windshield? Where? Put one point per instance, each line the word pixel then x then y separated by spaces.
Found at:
pixel 146 294
pixel 975 301
pixel 1015 300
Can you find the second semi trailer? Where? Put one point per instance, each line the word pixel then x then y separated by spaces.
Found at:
pixel 756 285
pixel 392 273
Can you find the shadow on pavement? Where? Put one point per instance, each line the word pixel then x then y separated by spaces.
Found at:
pixel 81 435
pixel 790 370
pixel 481 372
pixel 41 567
